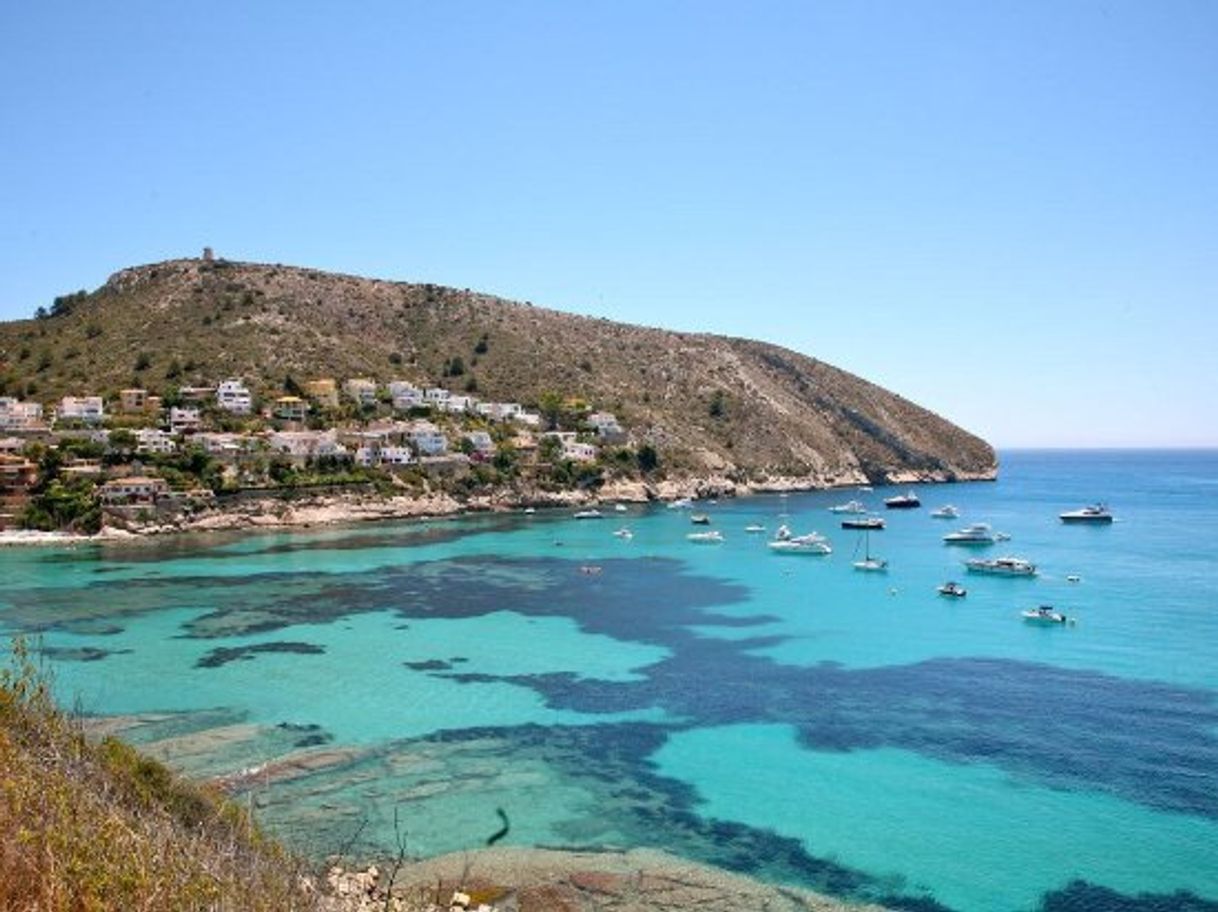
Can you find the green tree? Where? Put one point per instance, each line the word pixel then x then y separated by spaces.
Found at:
pixel 648 459
pixel 550 405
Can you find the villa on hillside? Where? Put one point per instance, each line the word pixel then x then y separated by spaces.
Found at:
pixel 88 409
pixel 234 397
pixel 133 400
pixel 133 490
pixel 290 408
pixel 606 427
pixel 405 395
pixel 426 438
pixel 154 441
pixel 20 416
pixel 323 391
pixel 304 445
pixel 184 420
pixel 361 390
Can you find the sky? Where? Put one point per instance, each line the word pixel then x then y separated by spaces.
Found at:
pixel 1004 211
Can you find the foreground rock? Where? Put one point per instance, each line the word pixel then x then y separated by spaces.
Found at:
pixel 539 880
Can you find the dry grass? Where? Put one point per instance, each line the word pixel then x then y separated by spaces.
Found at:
pixel 87 826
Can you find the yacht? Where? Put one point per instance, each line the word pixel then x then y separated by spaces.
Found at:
pixel 754 528
pixel 863 522
pixel 705 538
pixel 1001 566
pixel 1095 514
pixel 812 543
pixel 976 534
pixel 589 514
pixel 906 501
pixel 953 589
pixel 947 511
pixel 854 506
pixel 870 563
pixel 699 519
pixel 1045 616
pixel 683 503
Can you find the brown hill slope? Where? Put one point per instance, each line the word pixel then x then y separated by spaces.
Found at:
pixel 708 402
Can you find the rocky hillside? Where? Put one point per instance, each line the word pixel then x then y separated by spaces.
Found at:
pixel 708 403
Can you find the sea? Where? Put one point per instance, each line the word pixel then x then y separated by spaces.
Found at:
pixel 784 716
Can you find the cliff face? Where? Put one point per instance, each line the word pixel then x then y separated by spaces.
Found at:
pixel 709 403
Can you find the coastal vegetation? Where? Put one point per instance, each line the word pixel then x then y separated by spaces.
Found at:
pixel 94 825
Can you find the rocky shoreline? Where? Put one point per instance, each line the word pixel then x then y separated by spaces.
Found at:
pixel 513 879
pixel 329 509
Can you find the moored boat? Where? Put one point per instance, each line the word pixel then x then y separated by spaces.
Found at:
pixel 863 522
pixel 1001 566
pixel 589 514
pixel 947 511
pixel 953 589
pixel 699 519
pixel 853 506
pixel 812 543
pixel 624 533
pixel 976 534
pixel 907 501
pixel 1045 616
pixel 754 528
pixel 869 563
pixel 1093 514
pixel 705 538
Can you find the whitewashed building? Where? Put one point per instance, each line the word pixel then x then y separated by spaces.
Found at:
pixel 184 420
pixel 88 409
pixel 481 442
pixel 360 390
pixel 19 416
pixel 427 439
pixel 154 440
pixel 405 395
pixel 234 397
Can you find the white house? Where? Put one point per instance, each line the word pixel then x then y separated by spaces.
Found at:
pixel 19 416
pixel 578 452
pixel 303 445
pixel 405 395
pixel 360 390
pixel 184 420
pixel 154 440
pixel 223 445
pixel 233 396
pixel 384 455
pixel 88 409
pixel 136 489
pixel 528 419
pixel 459 404
pixel 436 395
pixel 606 427
pixel 426 438
pixel 481 442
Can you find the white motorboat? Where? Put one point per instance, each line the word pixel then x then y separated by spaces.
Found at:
pixel 713 537
pixel 619 508
pixel 589 514
pixel 1094 514
pixel 683 503
pixel 853 506
pixel 953 589
pixel 754 528
pixel 1001 566
pixel 699 519
pixel 976 534
pixel 624 533
pixel 907 501
pixel 947 511
pixel 812 543
pixel 783 533
pixel 1045 616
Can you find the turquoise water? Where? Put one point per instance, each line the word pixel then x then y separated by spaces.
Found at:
pixel 784 716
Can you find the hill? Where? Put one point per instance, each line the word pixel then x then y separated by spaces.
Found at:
pixel 708 403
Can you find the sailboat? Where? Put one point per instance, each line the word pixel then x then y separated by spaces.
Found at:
pixel 869 563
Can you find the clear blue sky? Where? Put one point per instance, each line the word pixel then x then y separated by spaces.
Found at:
pixel 1006 211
